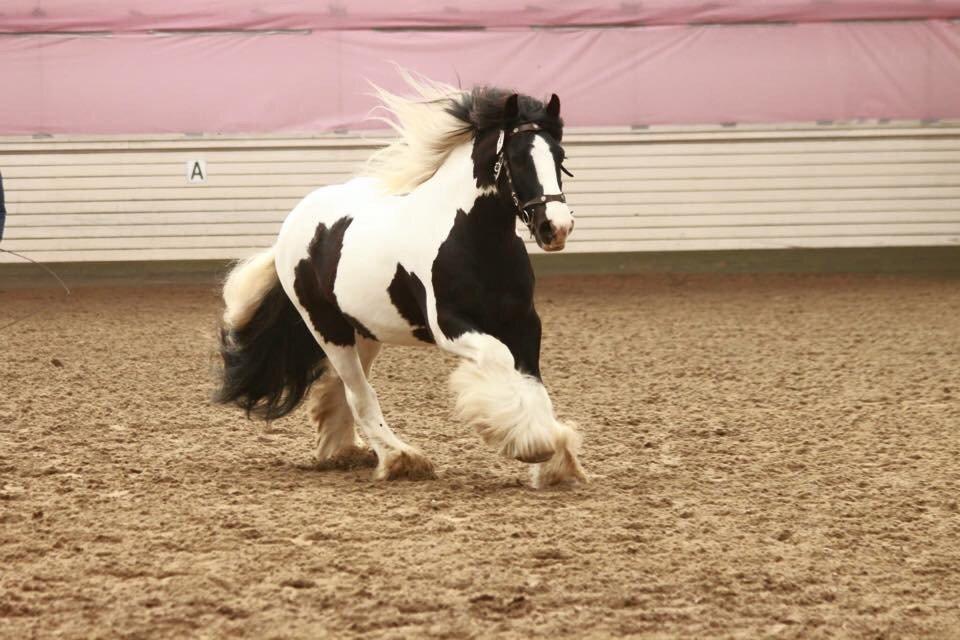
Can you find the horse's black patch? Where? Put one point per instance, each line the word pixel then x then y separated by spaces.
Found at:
pixel 483 281
pixel 313 284
pixel 358 326
pixel 409 296
pixel 484 155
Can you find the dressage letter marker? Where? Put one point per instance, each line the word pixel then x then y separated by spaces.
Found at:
pixel 196 171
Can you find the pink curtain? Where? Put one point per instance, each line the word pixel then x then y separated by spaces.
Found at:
pixel 314 76
pixel 142 15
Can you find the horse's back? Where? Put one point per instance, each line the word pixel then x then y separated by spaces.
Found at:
pixel 322 206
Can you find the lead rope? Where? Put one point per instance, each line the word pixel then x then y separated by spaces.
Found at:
pixel 45 268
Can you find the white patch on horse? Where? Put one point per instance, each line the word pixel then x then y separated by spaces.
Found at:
pixel 558 213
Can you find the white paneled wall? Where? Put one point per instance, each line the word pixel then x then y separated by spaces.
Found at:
pixel 97 199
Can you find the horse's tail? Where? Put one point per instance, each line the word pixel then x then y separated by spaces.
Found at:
pixel 270 358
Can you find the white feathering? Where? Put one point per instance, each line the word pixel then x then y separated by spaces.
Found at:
pixel 249 281
pixel 513 413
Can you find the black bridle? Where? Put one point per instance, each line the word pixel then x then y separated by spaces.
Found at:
pixel 503 163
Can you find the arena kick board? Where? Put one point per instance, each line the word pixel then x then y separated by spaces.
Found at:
pixel 73 199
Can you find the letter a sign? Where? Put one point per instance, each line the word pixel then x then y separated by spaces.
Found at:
pixel 196 170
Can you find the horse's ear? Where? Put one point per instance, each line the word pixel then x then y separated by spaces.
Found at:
pixel 511 110
pixel 553 107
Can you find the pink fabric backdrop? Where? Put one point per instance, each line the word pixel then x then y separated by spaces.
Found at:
pixel 316 80
pixel 137 15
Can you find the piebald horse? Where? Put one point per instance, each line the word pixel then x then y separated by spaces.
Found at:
pixel 421 249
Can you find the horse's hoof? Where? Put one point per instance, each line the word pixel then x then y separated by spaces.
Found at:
pixel 349 459
pixel 405 465
pixel 536 457
pixel 561 469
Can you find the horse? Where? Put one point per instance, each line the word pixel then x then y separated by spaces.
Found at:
pixel 420 248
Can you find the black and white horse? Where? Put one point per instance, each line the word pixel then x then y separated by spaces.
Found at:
pixel 421 250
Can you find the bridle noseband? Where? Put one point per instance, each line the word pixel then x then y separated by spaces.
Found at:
pixel 503 163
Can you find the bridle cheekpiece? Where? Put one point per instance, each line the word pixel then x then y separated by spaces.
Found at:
pixel 502 163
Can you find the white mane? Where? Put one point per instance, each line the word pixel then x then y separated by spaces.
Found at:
pixel 428 133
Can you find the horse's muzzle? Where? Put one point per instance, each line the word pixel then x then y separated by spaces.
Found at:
pixel 557 239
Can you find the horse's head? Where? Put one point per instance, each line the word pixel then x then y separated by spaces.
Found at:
pixel 531 158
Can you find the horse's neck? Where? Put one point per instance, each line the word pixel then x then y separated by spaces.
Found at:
pixel 454 187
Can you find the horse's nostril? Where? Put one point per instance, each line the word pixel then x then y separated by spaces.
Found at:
pixel 546 229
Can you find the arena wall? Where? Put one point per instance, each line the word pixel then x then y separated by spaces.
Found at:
pixel 659 189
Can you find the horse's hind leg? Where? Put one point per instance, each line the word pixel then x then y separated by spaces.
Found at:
pixel 396 459
pixel 338 444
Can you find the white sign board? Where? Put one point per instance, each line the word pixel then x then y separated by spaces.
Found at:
pixel 196 170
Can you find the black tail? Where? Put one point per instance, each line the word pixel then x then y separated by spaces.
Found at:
pixel 270 362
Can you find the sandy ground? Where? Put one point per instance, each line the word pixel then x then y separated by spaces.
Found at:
pixel 771 456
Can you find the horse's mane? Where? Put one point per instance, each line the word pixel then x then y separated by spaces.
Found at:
pixel 437 119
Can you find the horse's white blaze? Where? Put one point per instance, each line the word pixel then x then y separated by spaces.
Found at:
pixel 248 282
pixel 558 213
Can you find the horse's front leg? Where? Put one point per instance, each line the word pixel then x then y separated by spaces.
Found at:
pixel 499 392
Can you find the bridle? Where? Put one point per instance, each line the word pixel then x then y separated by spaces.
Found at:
pixel 503 163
